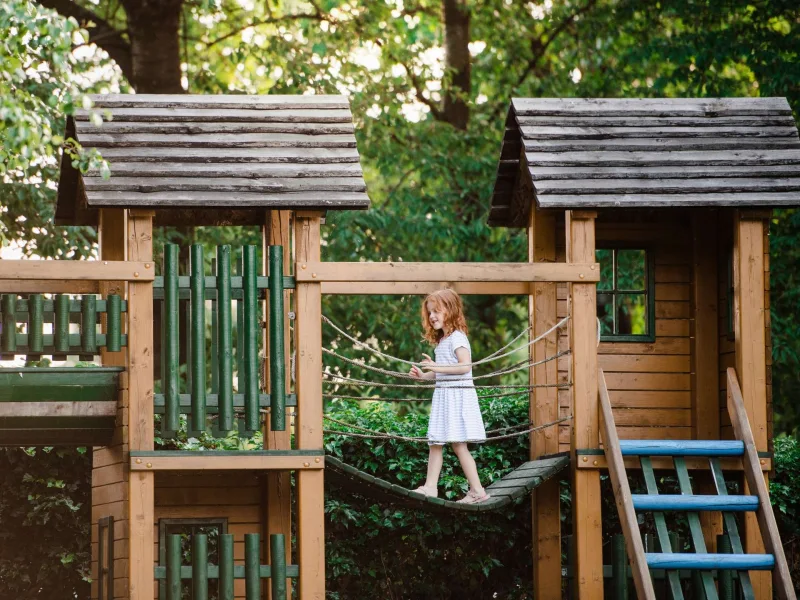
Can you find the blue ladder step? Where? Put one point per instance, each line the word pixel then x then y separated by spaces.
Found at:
pixel 681 448
pixel 707 562
pixel 670 502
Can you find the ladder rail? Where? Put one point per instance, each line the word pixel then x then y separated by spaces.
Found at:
pixel 755 480
pixel 622 495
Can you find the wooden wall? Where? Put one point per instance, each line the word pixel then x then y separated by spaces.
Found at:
pixel 649 383
pixel 238 496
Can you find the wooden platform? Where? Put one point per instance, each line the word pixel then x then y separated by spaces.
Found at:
pixel 516 484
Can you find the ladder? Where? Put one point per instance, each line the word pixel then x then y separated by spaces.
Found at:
pixel 629 504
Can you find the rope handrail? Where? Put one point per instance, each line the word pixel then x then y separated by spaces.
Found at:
pixel 372 434
pixel 360 382
pixel 491 357
pixel 428 399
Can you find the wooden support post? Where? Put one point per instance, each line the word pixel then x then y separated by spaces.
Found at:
pixel 705 352
pixel 543 408
pixel 276 231
pixel 141 490
pixel 112 497
pixel 308 425
pixel 586 502
pixel 751 360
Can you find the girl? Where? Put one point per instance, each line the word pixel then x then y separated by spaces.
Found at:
pixel 455 415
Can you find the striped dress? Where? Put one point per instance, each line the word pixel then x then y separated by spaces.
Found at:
pixel 455 414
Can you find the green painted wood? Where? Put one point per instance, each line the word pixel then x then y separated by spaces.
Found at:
pixel 89 324
pixel 210 284
pixel 224 339
pixel 8 336
pixel 73 346
pixel 619 564
pixel 212 402
pixel 250 333
pixel 661 527
pixel 197 342
pixel 61 341
pixel 200 566
pixel 725 577
pixel 48 307
pixel 214 572
pixel 113 341
pixel 174 567
pixel 252 562
pixel 64 384
pixel 277 549
pixel 170 349
pixel 35 324
pixel 503 492
pixel 277 361
pixel 695 528
pixel 226 574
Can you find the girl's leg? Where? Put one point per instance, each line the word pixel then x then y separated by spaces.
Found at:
pixel 468 465
pixel 435 460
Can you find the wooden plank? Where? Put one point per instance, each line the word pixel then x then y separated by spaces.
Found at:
pixel 652 399
pixel 423 288
pixel 75 410
pixel 699 465
pixel 141 518
pixel 86 270
pixel 757 482
pixel 676 158
pixel 642 363
pixel 661 144
pixel 648 381
pixel 672 328
pixel 656 121
pixel 217 140
pixel 656 417
pixel 626 107
pixel 313 271
pixel 234 155
pixel 599 132
pixel 214 115
pixel 222 101
pixel 622 497
pixel 47 286
pixel 662 200
pixel 679 345
pixel 206 461
pixel 542 173
pixel 207 200
pixel 189 128
pixel 200 184
pixel 308 425
pixel 231 170
pixel 667 185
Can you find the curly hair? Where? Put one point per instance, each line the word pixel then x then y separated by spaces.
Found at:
pixel 450 302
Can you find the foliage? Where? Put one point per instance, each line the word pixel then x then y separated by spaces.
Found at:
pixel 45 510
pixel 784 490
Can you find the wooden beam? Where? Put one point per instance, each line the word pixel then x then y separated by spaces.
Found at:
pixel 221 461
pixel 47 286
pixel 85 270
pixel 58 409
pixel 308 426
pixel 757 482
pixel 662 462
pixel 315 271
pixel 141 492
pixel 751 360
pixel 423 288
pixel 276 231
pixel 622 497
pixel 587 516
pixel 543 408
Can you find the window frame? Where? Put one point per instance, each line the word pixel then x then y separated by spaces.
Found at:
pixel 649 291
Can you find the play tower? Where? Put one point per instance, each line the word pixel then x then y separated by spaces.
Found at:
pixel 647 283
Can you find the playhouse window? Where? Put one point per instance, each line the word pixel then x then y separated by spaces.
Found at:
pixel 625 298
pixel 187 528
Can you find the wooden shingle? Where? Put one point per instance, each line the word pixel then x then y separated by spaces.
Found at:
pixel 214 159
pixel 655 153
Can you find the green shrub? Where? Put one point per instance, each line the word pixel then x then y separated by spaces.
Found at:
pixel 784 492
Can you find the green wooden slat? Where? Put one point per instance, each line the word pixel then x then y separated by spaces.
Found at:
pixel 277 362
pixel 224 339
pixel 36 323
pixel 731 528
pixel 72 341
pixel 88 325
pixel 695 528
pixel 173 567
pixel 226 568
pixel 248 339
pixel 210 284
pixel 661 526
pixel 212 402
pixel 252 562
pixel 725 577
pixel 73 306
pixel 61 337
pixel 170 348
pixel 200 566
pixel 277 549
pixel 198 341
pixel 8 337
pixel 114 323
pixel 214 571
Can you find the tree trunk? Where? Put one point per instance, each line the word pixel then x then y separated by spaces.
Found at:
pixel 457 63
pixel 154 31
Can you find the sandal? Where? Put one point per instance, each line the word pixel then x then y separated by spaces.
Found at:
pixel 423 491
pixel 474 498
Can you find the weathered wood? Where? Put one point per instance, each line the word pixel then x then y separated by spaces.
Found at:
pixel 43 410
pixel 218 140
pixel 667 185
pixel 86 270
pixel 233 185
pixel 233 170
pixel 561 132
pixel 189 128
pixel 622 496
pixel 225 200
pixel 47 286
pixel 439 272
pixel 671 200
pixel 219 461
pixel 234 155
pixel 660 145
pixel 626 107
pixel 655 121
pixel 757 482
pixel 407 288
pixel 660 172
pixel 260 101
pixel 230 115
pixel 675 158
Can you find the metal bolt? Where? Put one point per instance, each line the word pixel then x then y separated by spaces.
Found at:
pixel 291 315
pixel 149 465
pixel 595 463
pixel 138 461
pixel 105 262
pixel 582 276
pixel 592 267
pixel 136 274
pixel 316 460
pixel 763 462
pixel 303 267
pixel 147 266
pixel 585 459
pixel 314 275
pixel 306 465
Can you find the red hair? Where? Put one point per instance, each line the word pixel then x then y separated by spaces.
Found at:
pixel 449 302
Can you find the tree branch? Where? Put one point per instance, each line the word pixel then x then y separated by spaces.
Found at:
pixel 316 16
pixel 102 33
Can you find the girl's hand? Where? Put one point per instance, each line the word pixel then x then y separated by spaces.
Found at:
pixel 427 361
pixel 416 372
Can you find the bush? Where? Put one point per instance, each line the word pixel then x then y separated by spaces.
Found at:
pixel 784 492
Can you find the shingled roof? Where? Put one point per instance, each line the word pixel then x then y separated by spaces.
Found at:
pixel 594 153
pixel 230 155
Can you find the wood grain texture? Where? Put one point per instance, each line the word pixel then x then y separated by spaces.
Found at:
pixel 83 270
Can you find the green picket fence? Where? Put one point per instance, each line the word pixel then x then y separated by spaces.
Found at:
pixel 179 578
pixel 618 576
pixel 32 312
pixel 188 327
